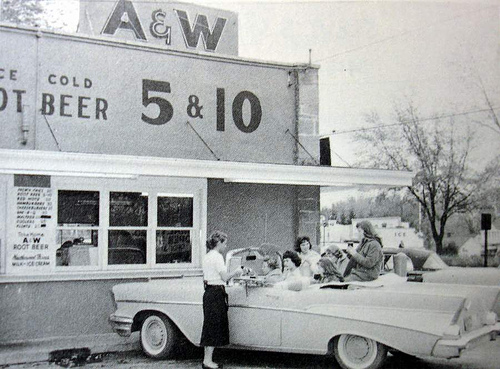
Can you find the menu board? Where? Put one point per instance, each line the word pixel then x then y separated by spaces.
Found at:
pixel 33 235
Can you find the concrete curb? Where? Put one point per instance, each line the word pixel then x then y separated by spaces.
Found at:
pixel 39 350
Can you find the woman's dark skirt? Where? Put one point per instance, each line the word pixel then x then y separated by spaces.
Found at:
pixel 215 330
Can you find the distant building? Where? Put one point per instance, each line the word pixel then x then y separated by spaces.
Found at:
pixel 474 246
pixel 392 230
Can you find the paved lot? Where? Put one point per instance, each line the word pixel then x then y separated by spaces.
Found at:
pixel 485 357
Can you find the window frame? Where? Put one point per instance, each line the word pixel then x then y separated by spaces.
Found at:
pixel 172 228
pixel 58 228
pixel 178 187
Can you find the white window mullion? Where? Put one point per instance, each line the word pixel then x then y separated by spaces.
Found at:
pixel 152 223
pixel 104 224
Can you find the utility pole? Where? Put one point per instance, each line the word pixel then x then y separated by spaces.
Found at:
pixel 485 248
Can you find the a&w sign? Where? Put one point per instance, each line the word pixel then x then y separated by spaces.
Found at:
pixel 172 25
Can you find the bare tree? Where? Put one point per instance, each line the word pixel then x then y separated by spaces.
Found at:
pixel 25 12
pixel 445 183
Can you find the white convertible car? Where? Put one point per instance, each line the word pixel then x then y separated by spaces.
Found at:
pixel 357 322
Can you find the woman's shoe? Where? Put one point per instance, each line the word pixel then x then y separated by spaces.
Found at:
pixel 218 366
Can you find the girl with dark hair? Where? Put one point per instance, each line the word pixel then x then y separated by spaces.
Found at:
pixel 291 263
pixel 215 332
pixel 309 257
pixel 366 261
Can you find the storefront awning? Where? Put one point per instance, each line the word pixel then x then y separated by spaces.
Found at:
pixel 123 166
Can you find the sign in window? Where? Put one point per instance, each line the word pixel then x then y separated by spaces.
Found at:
pixel 175 223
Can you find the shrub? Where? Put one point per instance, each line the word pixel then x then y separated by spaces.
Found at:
pixel 450 249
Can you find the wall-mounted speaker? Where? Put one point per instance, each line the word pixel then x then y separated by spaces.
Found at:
pixel 325 157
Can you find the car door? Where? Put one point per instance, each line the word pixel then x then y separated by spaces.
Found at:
pixel 255 316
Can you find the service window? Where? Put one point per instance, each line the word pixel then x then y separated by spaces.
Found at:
pixel 77 236
pixel 128 221
pixel 106 224
pixel 174 229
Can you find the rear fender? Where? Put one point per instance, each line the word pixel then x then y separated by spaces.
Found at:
pixel 410 342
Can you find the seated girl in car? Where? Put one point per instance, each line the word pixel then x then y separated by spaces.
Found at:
pixel 327 272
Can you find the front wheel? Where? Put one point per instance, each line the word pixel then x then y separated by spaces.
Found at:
pixel 356 352
pixel 158 337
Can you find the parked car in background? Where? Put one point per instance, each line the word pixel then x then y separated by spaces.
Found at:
pixel 421 260
pixel 356 322
pixel 427 266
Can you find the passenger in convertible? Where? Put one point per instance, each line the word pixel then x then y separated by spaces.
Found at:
pixel 292 276
pixel 338 257
pixel 271 270
pixel 291 261
pixel 309 258
pixel 366 261
pixel 327 272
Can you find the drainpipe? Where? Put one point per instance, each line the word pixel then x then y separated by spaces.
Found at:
pixel 296 114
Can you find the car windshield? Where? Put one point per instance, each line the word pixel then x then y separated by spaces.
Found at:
pixel 434 262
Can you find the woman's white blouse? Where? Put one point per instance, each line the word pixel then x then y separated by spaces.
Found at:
pixel 213 265
pixel 309 263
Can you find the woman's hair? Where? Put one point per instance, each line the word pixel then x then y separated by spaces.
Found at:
pixel 299 241
pixel 215 238
pixel 293 256
pixel 271 262
pixel 369 231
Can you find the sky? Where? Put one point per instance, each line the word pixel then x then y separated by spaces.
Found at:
pixel 374 54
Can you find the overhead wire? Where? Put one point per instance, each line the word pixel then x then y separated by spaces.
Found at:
pixel 402 34
pixel 362 129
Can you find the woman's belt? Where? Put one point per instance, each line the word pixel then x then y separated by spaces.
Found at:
pixel 207 286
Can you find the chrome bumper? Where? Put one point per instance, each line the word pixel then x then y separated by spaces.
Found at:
pixel 121 325
pixel 448 348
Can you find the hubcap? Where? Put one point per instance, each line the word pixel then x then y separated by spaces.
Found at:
pixel 356 351
pixel 358 348
pixel 155 334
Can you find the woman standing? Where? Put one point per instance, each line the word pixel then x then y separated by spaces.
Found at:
pixel 366 261
pixel 215 332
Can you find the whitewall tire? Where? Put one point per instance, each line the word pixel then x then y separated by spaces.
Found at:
pixel 356 352
pixel 158 336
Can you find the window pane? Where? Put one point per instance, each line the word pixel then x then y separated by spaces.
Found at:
pixel 77 247
pixel 175 211
pixel 128 209
pixel 173 247
pixel 127 247
pixel 78 207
